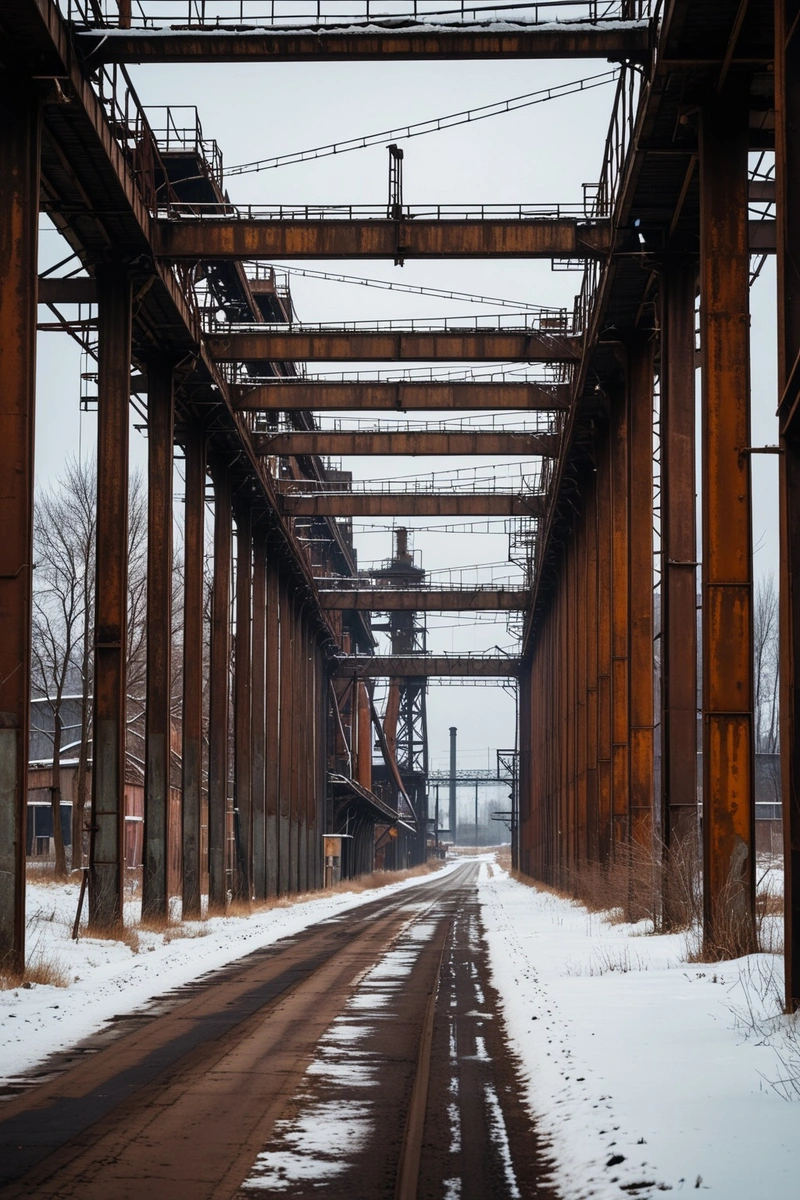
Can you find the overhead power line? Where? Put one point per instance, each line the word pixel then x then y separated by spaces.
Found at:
pixel 415 289
pixel 434 125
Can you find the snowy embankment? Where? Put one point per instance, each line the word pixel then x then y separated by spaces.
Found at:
pixel 106 978
pixel 641 1068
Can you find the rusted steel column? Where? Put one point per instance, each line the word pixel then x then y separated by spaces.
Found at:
pixel 192 734
pixel 242 719
pixel 604 622
pixel 620 539
pixel 787 181
pixel 286 718
pixel 728 771
pixel 581 692
pixel 219 690
pixel 106 856
pixel 272 745
pixel 640 580
pixel 19 214
pixel 528 819
pixel 678 555
pixel 158 713
pixel 258 715
pixel 301 752
pixel 590 643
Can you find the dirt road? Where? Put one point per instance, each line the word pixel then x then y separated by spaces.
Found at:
pixel 362 1058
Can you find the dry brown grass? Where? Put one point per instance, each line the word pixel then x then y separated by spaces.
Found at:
pixel 112 933
pixel 43 970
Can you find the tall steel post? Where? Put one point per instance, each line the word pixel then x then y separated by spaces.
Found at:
pixel 258 732
pixel 728 762
pixel 219 690
pixel 590 517
pixel 158 712
pixel 620 619
pixel 678 555
pixel 192 734
pixel 272 746
pixel 640 584
pixel 284 813
pixel 787 184
pixel 20 124
pixel 604 619
pixel 453 816
pixel 106 855
pixel 242 720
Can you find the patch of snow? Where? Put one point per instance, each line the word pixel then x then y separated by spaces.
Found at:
pixel 108 978
pixel 638 1067
pixel 500 1139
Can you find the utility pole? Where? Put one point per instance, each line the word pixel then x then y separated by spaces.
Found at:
pixel 453 732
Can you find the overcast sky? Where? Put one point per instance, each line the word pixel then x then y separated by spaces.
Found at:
pixel 537 155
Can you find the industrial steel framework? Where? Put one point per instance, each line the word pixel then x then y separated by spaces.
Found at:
pixel 160 247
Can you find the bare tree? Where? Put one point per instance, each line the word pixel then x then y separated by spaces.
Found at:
pixel 765 663
pixel 63 602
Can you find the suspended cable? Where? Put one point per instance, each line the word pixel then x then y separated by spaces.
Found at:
pixel 434 125
pixel 415 290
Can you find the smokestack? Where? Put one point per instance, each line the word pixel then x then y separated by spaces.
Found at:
pixel 453 732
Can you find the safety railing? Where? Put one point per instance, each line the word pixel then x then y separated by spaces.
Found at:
pixel 376 212
pixel 217 14
pixel 549 328
pixel 543 422
pixel 177 128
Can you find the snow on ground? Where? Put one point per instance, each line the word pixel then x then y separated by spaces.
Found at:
pixel 108 978
pixel 640 1067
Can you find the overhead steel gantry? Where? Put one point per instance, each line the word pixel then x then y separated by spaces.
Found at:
pixel 702 84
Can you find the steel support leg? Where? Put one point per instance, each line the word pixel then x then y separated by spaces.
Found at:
pixel 728 774
pixel 259 716
pixel 285 752
pixel 604 620
pixel 620 542
pixel 19 214
pixel 678 565
pixel 272 747
pixel 243 763
pixel 219 692
pixel 590 641
pixel 787 179
pixel 192 746
pixel 640 580
pixel 106 857
pixel 158 717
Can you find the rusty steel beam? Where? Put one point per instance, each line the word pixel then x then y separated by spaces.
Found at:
pixel 106 854
pixel 603 634
pixel 286 718
pixel 620 620
pixel 401 666
pixel 158 711
pixel 219 688
pixel 787 183
pixel 400 396
pixel 272 743
pixel 613 40
pixel 192 715
pixel 414 504
pixel 20 134
pixel 338 442
pixel 678 559
pixel 387 345
pixel 242 714
pixel 425 599
pixel 199 239
pixel 80 290
pixel 258 729
pixel 728 747
pixel 641 665
pixel 590 517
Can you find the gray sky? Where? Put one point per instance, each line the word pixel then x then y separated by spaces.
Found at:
pixel 537 155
